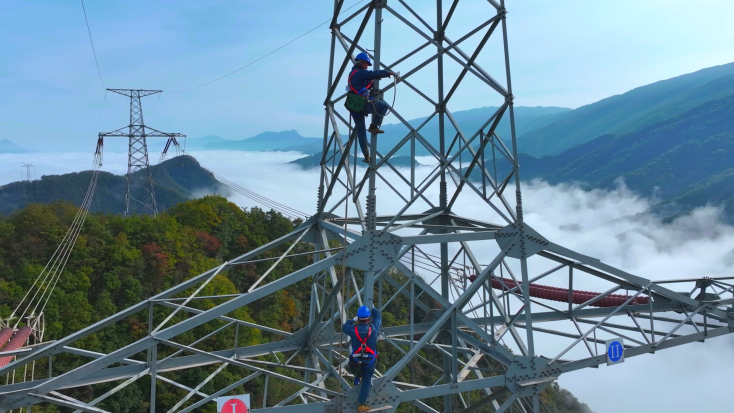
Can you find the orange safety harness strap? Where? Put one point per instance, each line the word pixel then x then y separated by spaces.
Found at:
pixel 364 348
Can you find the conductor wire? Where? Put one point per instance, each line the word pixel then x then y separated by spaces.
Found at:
pixel 266 55
pixel 92 42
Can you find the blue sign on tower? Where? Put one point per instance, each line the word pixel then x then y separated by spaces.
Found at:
pixel 615 351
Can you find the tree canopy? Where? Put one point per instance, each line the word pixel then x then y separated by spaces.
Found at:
pixel 118 262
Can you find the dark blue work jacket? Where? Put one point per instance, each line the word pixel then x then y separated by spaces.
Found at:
pixel 361 79
pixel 363 329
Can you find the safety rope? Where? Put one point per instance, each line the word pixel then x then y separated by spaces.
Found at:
pixel 345 297
pixel 394 95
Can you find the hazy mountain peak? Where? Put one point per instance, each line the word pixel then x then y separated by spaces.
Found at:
pixel 8 146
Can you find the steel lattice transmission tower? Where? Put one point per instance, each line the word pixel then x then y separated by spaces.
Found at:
pixel 139 192
pixel 27 176
pixel 501 319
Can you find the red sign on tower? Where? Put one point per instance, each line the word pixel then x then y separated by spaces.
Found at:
pixel 233 404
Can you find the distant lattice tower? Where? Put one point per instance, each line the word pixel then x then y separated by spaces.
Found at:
pixel 27 175
pixel 139 192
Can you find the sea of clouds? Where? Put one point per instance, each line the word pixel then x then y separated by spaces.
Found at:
pixel 612 226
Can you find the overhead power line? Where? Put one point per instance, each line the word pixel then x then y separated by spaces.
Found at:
pixel 38 295
pixel 289 212
pixel 268 54
pixel 92 42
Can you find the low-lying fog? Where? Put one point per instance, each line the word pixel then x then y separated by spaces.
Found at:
pixel 608 225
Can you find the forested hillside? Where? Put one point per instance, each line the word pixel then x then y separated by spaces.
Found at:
pixel 120 261
pixel 175 180
pixel 682 163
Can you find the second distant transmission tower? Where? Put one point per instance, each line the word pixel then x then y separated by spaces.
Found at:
pixel 26 178
pixel 139 194
pixel 27 174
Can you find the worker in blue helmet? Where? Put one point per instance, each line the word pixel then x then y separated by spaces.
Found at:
pixel 363 331
pixel 360 82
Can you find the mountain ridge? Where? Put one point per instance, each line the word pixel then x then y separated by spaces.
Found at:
pixel 629 111
pixel 672 159
pixel 468 120
pixel 175 180
pixel 264 141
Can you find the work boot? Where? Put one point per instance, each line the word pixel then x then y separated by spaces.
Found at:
pixel 374 129
pixel 366 158
pixel 363 408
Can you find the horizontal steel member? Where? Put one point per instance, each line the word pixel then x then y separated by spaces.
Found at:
pixel 441 238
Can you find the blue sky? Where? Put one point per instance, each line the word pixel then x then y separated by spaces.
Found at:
pixel 563 53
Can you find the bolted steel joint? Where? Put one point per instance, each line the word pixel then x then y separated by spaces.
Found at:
pixel 525 241
pixel 373 251
pixel 379 4
pixel 528 376
pixel 518 198
pixel 371 211
pixel 320 196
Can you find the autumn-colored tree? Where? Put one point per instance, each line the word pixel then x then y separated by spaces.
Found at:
pixel 118 262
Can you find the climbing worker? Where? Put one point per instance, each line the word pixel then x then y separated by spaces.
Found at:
pixel 363 336
pixel 360 101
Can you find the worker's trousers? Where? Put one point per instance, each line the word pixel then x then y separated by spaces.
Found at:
pixel 378 107
pixel 366 381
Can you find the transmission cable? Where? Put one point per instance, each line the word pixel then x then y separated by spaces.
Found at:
pixel 49 276
pixel 267 54
pixel 92 42
pixel 60 270
pixel 277 206
pixel 47 279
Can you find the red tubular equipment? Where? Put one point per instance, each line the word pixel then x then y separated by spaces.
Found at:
pixel 15 343
pixel 561 294
pixel 5 335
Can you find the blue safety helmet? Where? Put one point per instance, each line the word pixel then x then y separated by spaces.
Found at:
pixel 366 58
pixel 363 312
